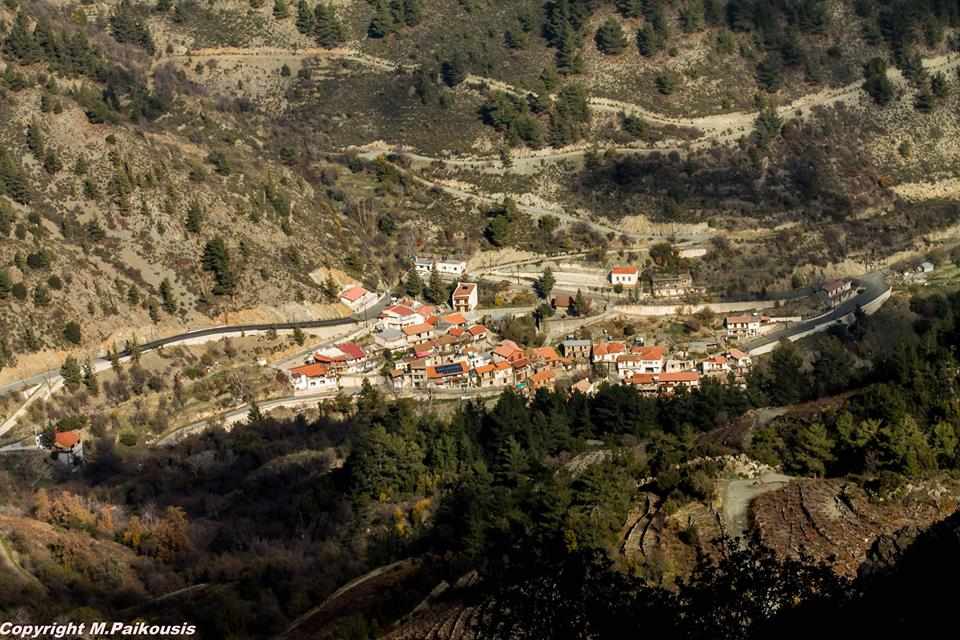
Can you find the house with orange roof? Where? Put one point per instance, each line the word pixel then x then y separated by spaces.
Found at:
pixel 454 375
pixel 715 367
pixel 478 332
pixel 739 359
pixel 456 332
pixel 608 352
pixel 68 447
pixel 455 319
pixel 668 382
pixel 627 276
pixel 313 377
pixel 508 351
pixel 543 379
pixel 418 333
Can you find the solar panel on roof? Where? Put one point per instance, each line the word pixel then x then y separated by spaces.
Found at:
pixel 449 369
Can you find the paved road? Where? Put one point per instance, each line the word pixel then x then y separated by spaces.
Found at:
pixel 875 291
pixel 102 363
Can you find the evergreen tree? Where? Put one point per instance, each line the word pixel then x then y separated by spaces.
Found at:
pixel 6 284
pixel 305 18
pixel 327 28
pixel 414 284
pixel 281 11
pixel 412 12
pixel 35 140
pixel 610 38
pixel 90 379
pixel 167 298
pixel 216 259
pixel 71 373
pixel 72 333
pixel 544 284
pixel 453 71
pixel 20 42
pixel 435 287
pixel 194 220
pixel 568 58
pixel 51 162
pixel 381 25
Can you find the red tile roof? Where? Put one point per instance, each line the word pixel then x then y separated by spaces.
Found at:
pixel 625 270
pixel 642 378
pixel 736 354
pixel 679 376
pixel 417 329
pixel 650 353
pixel 310 370
pixel 354 293
pixel 433 373
pixel 454 318
pixel 400 310
pixel 353 350
pixel 456 332
pixel 477 330
pixel 66 439
pixel 605 348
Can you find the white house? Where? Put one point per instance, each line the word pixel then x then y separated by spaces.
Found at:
pixel 313 377
pixel 418 333
pixel 465 297
pixel 838 290
pixel 391 340
pixel 445 266
pixel 641 360
pixel 399 316
pixel 357 298
pixel 742 326
pixel 626 276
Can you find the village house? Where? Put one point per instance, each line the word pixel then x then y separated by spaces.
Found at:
pixel 578 350
pixel 497 374
pixel 664 383
pixel 651 358
pixel 355 356
pixel 313 377
pixel 542 379
pixel 608 352
pixel 669 285
pixel 465 297
pixel 742 326
pixel 521 371
pixel 715 367
pixel 476 356
pixel 507 351
pixel 452 320
pixel 478 332
pixel 357 298
pixel 455 375
pixel 541 357
pixel 680 361
pixel 399 316
pixel 626 276
pixel 740 359
pixel 445 265
pixel 418 333
pixel 668 382
pixel 390 340
pixel 68 447
pixel 838 291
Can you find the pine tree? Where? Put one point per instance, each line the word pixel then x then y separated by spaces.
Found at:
pixel 72 333
pixel 610 39
pixel 305 18
pixel 412 12
pixel 194 220
pixel 454 70
pixel 167 298
pixel 216 259
pixel 568 58
pixel 35 140
pixel 71 373
pixel 281 11
pixel 544 284
pixel 381 25
pixel 90 379
pixel 435 287
pixel 413 285
pixel 327 29
pixel 20 42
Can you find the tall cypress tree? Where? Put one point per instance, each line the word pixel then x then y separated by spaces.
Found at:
pixel 381 24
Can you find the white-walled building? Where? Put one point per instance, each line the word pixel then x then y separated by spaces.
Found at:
pixel 742 326
pixel 465 297
pixel 626 276
pixel 313 377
